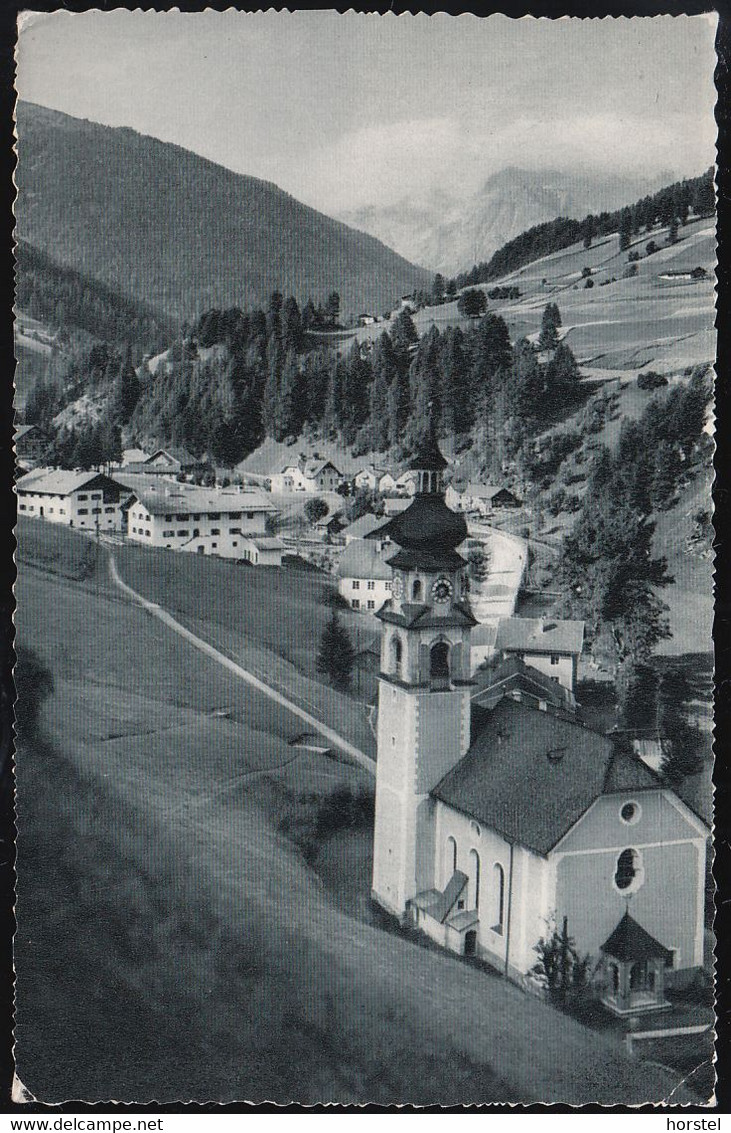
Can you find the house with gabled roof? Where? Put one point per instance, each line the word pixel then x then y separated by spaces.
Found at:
pixel 91 501
pixel 492 823
pixel 551 645
pixel 309 474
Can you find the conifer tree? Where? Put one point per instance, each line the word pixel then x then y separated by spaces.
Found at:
pixel 550 324
pixel 336 656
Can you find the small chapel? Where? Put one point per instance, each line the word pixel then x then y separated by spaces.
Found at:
pixel 492 824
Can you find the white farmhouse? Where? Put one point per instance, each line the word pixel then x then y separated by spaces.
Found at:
pixel 488 824
pixel 551 645
pixel 308 475
pixel 204 521
pixel 89 500
pixel 364 577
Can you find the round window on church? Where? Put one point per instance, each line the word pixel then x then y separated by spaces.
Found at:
pixel 630 813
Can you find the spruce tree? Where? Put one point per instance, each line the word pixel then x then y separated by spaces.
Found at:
pixel 550 323
pixel 336 656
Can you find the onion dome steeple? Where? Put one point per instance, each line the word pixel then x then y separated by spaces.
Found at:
pixel 428 532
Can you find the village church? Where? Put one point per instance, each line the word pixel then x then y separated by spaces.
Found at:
pixel 488 825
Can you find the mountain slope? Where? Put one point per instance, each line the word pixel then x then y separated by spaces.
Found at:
pixel 181 233
pixel 450 235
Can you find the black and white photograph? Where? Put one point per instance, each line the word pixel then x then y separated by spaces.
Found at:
pixel 364 439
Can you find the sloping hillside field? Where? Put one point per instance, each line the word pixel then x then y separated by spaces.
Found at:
pixel 653 318
pixel 158 799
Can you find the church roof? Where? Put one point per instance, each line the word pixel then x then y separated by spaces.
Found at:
pixel 419 615
pixel 530 774
pixel 630 941
pixel 427 525
pixel 429 456
pixel 362 527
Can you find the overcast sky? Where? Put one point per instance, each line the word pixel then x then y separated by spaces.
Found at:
pixel 346 110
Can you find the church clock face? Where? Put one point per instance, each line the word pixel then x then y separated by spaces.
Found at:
pixel 397 586
pixel 441 590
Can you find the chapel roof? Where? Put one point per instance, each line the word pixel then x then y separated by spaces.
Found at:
pixel 630 941
pixel 530 774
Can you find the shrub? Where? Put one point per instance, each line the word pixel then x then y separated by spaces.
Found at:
pixel 589 283
pixel 629 271
pixel 651 380
pixel 633 257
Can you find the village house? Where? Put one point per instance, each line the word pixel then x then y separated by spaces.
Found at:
pixel 364 577
pixel 406 483
pixel 551 645
pixel 89 500
pixel 366 320
pixel 171 461
pixel 366 479
pixel 387 483
pixel 30 444
pixel 310 474
pixel 491 824
pixel 485 499
pixel 362 527
pixel 204 521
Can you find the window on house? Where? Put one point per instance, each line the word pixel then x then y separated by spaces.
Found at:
pixel 214 515
pixel 195 518
pixel 108 510
pixel 168 519
pixel 214 546
pixel 147 533
pixel 168 534
pixel 371 585
pixel 250 515
pixel 83 511
pixel 96 511
pixel 356 584
pixel 234 530
pixel 50 511
pixel 234 515
pixel 83 497
pixel 182 532
pixel 388 586
pixel 371 605
pixel 416 590
pixel 555 658
pixel 355 604
pixel 21 507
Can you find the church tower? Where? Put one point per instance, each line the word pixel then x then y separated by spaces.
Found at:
pixel 424 682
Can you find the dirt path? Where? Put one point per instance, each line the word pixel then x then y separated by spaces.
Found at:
pixel 202 646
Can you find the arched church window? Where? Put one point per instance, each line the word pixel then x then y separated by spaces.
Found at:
pixel 417 590
pixel 629 874
pixel 475 878
pixel 498 897
pixel 439 663
pixel 450 858
pixel 397 650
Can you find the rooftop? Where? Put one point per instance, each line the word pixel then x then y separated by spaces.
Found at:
pixel 562 766
pixel 362 559
pixel 363 526
pixel 540 635
pixel 184 500
pixel 630 941
pixel 60 482
pixel 513 677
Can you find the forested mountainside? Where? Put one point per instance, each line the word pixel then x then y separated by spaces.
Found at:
pixel 170 229
pixel 672 204
pixel 64 298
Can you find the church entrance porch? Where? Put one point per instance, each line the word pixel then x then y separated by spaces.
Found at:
pixel 444 916
pixel 633 970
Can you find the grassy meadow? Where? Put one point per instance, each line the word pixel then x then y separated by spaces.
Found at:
pixel 174 939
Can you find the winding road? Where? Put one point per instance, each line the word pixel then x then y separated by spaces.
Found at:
pixel 202 646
